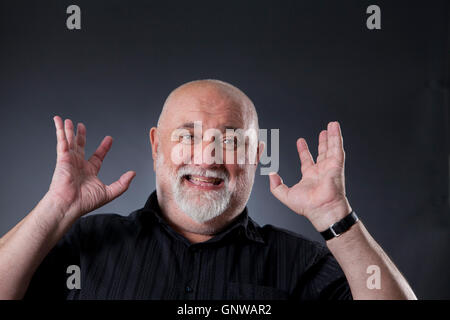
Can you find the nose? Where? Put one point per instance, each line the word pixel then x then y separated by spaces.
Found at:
pixel 208 154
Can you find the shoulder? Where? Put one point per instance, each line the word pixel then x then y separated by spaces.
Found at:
pixel 99 225
pixel 280 239
pixel 311 258
pixel 272 233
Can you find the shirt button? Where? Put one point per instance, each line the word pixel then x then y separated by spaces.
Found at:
pixel 188 289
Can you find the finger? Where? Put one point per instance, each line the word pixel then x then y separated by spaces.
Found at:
pixel 118 187
pixel 278 188
pixel 335 143
pixel 81 137
pixel 323 146
pixel 68 126
pixel 306 158
pixel 97 158
pixel 62 145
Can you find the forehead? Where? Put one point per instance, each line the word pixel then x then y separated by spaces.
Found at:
pixel 214 108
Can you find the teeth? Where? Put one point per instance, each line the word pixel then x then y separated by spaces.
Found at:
pixel 205 179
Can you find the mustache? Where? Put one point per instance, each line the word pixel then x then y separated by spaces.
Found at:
pixel 209 173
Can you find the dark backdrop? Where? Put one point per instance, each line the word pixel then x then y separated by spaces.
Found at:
pixel 303 63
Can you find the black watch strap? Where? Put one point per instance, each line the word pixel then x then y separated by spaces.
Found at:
pixel 338 228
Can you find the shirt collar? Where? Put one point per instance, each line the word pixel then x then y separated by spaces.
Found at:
pixel 242 224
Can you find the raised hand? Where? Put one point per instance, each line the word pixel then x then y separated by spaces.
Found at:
pixel 75 186
pixel 320 194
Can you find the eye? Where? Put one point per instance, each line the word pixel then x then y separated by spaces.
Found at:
pixel 229 142
pixel 186 138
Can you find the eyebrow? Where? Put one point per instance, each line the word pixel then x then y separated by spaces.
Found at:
pixel 190 125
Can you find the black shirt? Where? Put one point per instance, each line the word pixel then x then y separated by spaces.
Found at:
pixel 141 257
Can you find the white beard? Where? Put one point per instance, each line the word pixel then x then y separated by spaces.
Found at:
pixel 201 206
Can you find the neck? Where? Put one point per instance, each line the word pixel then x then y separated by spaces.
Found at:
pixel 192 236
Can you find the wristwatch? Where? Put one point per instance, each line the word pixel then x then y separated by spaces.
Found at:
pixel 338 228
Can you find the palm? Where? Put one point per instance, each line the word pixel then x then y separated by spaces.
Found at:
pixel 75 183
pixel 322 181
pixel 319 185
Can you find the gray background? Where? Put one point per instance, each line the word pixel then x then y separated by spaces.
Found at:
pixel 303 63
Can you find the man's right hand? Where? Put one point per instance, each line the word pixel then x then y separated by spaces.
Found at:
pixel 75 190
pixel 75 187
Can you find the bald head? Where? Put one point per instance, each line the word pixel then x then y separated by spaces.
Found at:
pixel 214 96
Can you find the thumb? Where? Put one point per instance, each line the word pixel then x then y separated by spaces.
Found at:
pixel 118 187
pixel 278 188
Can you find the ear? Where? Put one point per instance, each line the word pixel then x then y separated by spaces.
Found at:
pixel 260 150
pixel 153 135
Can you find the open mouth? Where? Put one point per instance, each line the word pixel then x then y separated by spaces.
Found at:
pixel 203 182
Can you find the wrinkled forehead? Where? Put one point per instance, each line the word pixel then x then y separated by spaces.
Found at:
pixel 215 109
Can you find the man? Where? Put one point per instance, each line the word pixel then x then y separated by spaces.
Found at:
pixel 194 238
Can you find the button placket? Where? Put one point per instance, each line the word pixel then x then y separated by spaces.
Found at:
pixel 191 285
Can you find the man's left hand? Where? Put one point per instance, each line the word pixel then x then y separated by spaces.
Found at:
pixel 320 194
